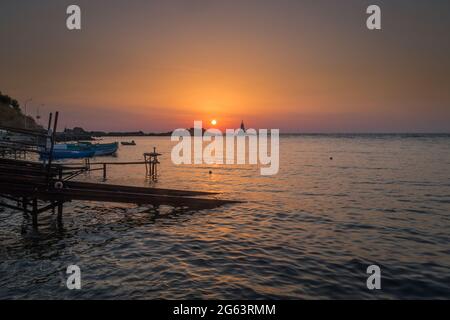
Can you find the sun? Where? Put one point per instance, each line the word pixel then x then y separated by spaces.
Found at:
pixel 214 122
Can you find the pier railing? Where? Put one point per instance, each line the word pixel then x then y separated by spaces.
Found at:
pixel 18 142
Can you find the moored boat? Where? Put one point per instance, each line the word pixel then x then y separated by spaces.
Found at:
pixel 70 151
pixel 103 149
pixel 83 150
pixel 128 143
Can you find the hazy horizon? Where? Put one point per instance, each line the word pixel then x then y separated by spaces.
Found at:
pixel 300 66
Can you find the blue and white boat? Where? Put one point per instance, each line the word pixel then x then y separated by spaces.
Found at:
pixel 102 149
pixel 67 151
pixel 82 150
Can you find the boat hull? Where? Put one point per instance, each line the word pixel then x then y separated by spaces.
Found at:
pixel 83 150
pixel 105 149
pixel 70 154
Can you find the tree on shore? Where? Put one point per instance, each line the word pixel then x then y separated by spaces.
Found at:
pixel 11 115
pixel 16 106
pixel 7 100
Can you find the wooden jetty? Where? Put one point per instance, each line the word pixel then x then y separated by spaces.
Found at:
pixel 37 187
pixel 34 191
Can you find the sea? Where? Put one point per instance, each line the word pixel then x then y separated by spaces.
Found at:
pixel 339 204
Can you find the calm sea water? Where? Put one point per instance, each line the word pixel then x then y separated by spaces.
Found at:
pixel 309 232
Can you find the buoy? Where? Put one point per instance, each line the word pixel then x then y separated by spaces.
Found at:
pixel 331 158
pixel 59 185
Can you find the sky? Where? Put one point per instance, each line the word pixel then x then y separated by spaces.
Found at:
pixel 298 66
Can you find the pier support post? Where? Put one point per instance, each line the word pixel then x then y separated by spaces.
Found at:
pixel 35 214
pixel 60 212
pixel 104 171
pixel 87 164
pixel 25 206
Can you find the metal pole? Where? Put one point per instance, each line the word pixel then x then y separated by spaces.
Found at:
pixel 50 157
pixel 38 115
pixel 49 121
pixel 26 102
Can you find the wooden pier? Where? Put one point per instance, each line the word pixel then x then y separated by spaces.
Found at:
pixel 33 191
pixel 36 187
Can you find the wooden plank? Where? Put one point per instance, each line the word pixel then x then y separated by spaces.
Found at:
pixel 160 191
pixel 115 163
pixel 25 131
pixel 25 179
pixel 39 180
pixel 17 188
pixel 24 163
pixel 108 196
pixel 23 168
pixel 14 170
pixel 125 197
pixel 20 162
pixel 26 168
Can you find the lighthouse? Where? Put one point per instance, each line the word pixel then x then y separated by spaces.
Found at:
pixel 242 126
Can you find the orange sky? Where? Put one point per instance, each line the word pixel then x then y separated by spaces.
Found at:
pixel 301 66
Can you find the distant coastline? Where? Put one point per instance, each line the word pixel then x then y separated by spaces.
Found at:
pixel 78 133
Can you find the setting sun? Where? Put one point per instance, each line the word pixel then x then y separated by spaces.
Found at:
pixel 214 122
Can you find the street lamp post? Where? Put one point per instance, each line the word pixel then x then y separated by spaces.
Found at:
pixel 26 102
pixel 38 115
